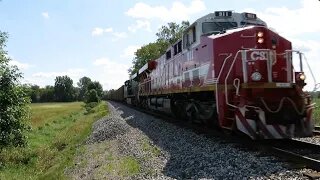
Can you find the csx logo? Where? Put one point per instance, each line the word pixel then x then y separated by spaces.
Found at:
pixel 258 55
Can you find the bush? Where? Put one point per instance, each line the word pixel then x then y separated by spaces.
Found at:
pixel 92 96
pixel 16 156
pixel 14 109
pixel 90 107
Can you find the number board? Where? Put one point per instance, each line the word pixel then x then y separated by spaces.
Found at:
pixel 223 13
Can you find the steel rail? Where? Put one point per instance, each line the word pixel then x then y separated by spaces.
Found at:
pixel 316 132
pixel 291 156
pixel 288 151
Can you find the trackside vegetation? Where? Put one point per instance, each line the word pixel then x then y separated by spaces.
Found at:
pixel 14 111
pixel 316 112
pixel 57 131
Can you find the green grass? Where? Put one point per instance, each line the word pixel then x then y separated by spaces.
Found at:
pixel 120 167
pixel 316 112
pixel 146 146
pixel 57 130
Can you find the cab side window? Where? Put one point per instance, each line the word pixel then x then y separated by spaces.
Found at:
pixel 189 37
pixel 177 48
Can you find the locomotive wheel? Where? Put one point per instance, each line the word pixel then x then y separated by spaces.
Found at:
pixel 192 112
pixel 207 114
pixel 179 110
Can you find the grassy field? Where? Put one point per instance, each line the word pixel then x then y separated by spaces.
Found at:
pixel 57 130
pixel 316 112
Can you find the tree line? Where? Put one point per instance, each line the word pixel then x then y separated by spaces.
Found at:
pixel 64 91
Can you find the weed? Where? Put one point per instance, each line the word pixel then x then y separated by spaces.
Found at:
pixel 146 146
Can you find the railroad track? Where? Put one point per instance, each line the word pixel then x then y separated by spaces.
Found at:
pixel 297 153
pixel 316 131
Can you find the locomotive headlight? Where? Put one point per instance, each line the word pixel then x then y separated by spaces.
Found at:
pixel 256 76
pixel 302 77
pixel 260 34
pixel 260 40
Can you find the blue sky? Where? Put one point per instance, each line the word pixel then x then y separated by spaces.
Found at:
pixel 97 38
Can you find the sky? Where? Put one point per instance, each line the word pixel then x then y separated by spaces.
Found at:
pixel 98 38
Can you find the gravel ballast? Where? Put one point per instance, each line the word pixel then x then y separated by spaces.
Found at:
pixel 165 151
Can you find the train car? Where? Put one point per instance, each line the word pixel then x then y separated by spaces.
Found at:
pixel 231 70
pixel 117 95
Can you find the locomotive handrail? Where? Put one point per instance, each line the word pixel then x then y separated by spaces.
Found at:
pixel 316 85
pixel 225 80
pixel 218 78
pixel 236 84
pixel 222 67
pixel 281 105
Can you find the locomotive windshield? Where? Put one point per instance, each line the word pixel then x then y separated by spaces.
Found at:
pixel 217 27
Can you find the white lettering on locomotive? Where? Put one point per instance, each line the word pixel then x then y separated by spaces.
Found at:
pixel 258 55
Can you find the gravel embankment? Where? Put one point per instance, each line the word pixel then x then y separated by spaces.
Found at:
pixel 164 151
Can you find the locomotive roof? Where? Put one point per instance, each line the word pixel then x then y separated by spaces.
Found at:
pixel 242 19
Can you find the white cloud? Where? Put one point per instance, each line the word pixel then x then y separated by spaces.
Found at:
pixel 111 74
pixel 70 72
pixel 45 15
pixel 140 24
pixel 20 65
pixel 119 35
pixel 100 31
pixel 101 61
pixel 129 51
pixel 116 35
pixel 177 12
pixel 47 78
pixel 292 22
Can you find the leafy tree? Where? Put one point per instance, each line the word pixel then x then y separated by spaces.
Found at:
pixel 47 94
pixel 14 109
pixel 63 89
pixel 105 95
pixel 96 86
pixel 92 96
pixel 146 53
pixel 83 85
pixel 172 32
pixel 167 35
pixel 38 94
pixel 34 93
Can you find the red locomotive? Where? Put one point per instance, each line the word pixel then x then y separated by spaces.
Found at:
pixel 231 70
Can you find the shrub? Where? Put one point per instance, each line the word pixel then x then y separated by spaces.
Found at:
pixel 14 109
pixel 92 96
pixel 90 107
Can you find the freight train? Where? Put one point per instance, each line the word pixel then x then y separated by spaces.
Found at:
pixel 228 69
